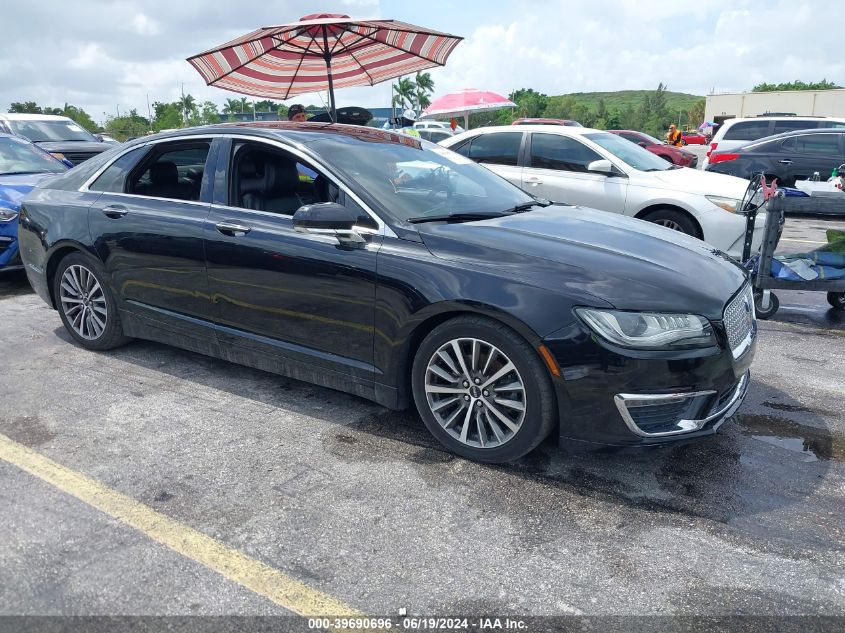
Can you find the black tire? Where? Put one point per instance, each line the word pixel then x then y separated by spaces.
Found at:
pixel 837 300
pixel 774 305
pixel 538 402
pixel 98 338
pixel 673 219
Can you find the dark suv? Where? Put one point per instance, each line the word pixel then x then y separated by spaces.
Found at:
pixel 60 136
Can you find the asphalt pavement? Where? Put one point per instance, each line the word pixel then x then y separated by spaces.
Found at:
pixel 121 472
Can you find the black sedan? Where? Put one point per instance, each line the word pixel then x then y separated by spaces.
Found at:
pixel 392 268
pixel 788 157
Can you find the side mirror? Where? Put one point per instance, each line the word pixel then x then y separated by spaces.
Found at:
pixel 327 218
pixel 602 166
pixel 642 144
pixel 99 137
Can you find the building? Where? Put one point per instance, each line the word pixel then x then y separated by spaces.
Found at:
pixel 798 102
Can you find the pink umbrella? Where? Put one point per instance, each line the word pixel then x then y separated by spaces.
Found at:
pixel 320 52
pixel 466 102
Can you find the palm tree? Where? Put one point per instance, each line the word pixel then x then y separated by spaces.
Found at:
pixel 403 93
pixel 232 106
pixel 188 105
pixel 425 86
pixel 244 104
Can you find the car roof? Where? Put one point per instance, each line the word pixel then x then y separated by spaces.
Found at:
pixel 546 129
pixel 781 118
pixel 301 132
pixel 20 116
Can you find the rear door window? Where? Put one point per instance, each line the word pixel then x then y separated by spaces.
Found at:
pixel 818 144
pixel 113 179
pixel 496 149
pixel 748 131
pixel 174 171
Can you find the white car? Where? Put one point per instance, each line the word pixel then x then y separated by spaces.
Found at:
pixel 735 133
pixel 593 168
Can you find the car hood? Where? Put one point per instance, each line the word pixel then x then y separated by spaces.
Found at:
pixel 701 182
pixel 74 146
pixel 13 188
pixel 597 258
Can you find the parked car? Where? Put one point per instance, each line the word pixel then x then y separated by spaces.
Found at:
pixel 568 122
pixel 59 135
pixel 735 133
pixel 597 169
pixel 500 316
pixel 22 166
pixel 674 155
pixel 693 138
pixel 438 125
pixel 788 157
pixel 435 136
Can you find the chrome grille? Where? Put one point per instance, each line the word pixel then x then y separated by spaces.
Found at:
pixel 739 321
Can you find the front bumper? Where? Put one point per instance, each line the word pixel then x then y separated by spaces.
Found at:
pixel 609 396
pixel 9 256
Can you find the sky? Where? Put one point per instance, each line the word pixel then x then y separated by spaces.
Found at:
pixel 110 56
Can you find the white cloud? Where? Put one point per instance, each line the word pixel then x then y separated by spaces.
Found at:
pixel 144 25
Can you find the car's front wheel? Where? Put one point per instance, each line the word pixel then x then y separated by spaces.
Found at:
pixel 482 390
pixel 672 219
pixel 86 305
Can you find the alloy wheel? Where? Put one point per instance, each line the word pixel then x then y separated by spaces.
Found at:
pixel 475 392
pixel 670 224
pixel 83 302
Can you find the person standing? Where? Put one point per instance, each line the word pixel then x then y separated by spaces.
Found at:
pixel 674 137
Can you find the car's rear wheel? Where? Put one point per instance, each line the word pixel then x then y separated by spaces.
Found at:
pixel 86 305
pixel 673 219
pixel 482 390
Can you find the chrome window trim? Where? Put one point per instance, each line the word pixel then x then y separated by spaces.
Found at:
pixel 622 400
pixel 383 227
pixel 270 214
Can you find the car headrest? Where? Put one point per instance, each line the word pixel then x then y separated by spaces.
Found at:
pixel 164 173
pixel 272 179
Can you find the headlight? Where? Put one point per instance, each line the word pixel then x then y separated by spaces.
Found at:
pixel 649 330
pixel 7 214
pixel 728 204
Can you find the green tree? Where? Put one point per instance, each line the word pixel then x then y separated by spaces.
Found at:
pixel 245 105
pixel 188 105
pixel 529 103
pixel 695 115
pixel 79 115
pixel 824 84
pixel 168 115
pixel 26 107
pixel 127 126
pixel 403 93
pixel 232 106
pixel 424 89
pixel 208 113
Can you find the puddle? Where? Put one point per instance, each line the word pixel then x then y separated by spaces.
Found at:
pixel 783 406
pixel 813 444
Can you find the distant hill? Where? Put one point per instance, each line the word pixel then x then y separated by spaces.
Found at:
pixel 621 98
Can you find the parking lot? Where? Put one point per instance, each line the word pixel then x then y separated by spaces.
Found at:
pixel 181 479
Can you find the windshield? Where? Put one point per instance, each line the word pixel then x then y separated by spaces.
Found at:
pixel 634 155
pixel 51 130
pixel 19 157
pixel 416 179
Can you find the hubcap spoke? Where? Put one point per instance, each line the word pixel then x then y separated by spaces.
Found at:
pixel 475 392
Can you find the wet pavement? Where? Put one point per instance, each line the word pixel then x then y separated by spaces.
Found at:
pixel 361 503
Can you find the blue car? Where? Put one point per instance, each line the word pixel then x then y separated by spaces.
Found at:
pixel 22 165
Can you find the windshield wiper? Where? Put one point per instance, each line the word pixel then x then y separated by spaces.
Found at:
pixel 526 206
pixel 455 217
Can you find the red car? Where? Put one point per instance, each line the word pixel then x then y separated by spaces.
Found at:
pixel 674 155
pixel 693 138
pixel 568 122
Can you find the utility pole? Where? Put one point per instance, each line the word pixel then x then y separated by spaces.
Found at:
pixel 149 114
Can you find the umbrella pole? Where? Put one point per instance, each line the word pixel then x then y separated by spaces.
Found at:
pixel 328 57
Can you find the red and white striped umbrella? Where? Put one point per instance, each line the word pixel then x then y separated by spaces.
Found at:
pixel 320 52
pixel 466 102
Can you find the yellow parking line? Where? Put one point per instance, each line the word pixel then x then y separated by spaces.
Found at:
pixel 284 590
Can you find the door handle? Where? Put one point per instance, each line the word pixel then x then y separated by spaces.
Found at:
pixel 115 211
pixel 533 180
pixel 232 229
pixel 785 161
